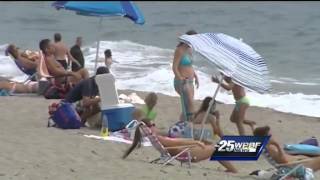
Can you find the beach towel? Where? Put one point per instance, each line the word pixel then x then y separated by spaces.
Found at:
pixel 125 135
pixel 4 92
pixel 302 149
pixel 118 138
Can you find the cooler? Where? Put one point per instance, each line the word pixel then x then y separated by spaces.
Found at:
pixel 118 115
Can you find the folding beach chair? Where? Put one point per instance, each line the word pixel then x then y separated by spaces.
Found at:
pixel 294 170
pixel 165 158
pixel 30 72
pixel 46 79
pixel 43 69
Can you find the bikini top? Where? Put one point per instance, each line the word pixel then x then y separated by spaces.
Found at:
pixel 185 60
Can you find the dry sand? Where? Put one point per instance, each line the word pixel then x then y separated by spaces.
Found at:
pixel 30 150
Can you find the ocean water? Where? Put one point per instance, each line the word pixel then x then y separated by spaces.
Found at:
pixel 286 34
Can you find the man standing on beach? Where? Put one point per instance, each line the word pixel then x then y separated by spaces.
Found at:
pixel 242 104
pixel 77 54
pixel 61 51
pixel 54 67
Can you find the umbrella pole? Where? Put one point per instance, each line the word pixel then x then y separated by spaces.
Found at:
pixel 98 45
pixel 210 105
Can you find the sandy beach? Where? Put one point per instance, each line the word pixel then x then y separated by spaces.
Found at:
pixel 30 150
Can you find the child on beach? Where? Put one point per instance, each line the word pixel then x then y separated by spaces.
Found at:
pixel 108 58
pixel 139 115
pixel 147 112
pixel 148 109
pixel 242 104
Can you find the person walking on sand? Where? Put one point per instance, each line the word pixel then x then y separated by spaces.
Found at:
pixel 61 51
pixel 185 77
pixel 242 104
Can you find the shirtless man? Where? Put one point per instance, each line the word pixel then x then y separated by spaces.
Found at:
pixel 242 104
pixel 61 51
pixel 55 68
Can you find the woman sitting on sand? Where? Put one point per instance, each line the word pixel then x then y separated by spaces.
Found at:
pixel 274 152
pixel 25 60
pixel 212 119
pixel 198 150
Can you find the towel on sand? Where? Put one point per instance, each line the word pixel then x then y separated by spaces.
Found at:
pixel 145 142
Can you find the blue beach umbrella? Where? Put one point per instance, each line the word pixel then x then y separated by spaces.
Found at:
pixel 102 9
pixel 234 59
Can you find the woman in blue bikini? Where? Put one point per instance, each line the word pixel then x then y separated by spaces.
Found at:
pixel 184 77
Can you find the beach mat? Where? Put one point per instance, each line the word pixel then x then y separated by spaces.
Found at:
pixel 116 139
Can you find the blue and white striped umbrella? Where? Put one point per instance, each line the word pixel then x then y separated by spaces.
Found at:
pixel 233 58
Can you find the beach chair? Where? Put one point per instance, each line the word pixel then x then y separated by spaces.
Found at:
pixel 293 170
pixel 31 73
pixel 45 79
pixel 165 158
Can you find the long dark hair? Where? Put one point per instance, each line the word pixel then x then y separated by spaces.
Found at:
pixel 261 131
pixel 204 106
pixel 136 141
pixel 11 50
pixel 190 32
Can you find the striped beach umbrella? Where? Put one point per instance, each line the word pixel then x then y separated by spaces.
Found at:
pixel 233 58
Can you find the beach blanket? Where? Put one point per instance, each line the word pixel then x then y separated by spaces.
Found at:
pixel 117 137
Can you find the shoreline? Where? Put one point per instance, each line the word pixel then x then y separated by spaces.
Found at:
pixel 221 103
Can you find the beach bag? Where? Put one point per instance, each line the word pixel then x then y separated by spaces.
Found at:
pixel 312 141
pixel 64 115
pixel 129 130
pixel 181 129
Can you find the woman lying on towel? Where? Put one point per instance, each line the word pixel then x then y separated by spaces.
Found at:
pixel 25 60
pixel 274 152
pixel 16 87
pixel 198 150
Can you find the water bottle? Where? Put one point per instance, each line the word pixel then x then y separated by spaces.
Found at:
pixel 104 128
